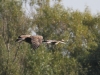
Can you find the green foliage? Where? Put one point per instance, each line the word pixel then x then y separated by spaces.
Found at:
pixel 69 25
pixel 46 63
pixel 12 23
pixel 80 30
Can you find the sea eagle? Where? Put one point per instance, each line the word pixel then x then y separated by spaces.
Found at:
pixel 36 40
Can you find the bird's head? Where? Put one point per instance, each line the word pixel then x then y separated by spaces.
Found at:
pixel 22 38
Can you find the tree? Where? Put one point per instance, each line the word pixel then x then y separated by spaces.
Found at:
pixel 80 30
pixel 12 23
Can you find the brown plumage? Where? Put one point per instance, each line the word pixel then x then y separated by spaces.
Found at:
pixel 35 41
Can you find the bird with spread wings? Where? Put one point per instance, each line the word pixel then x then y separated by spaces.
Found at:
pixel 36 40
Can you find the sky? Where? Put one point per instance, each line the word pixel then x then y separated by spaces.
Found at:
pixel 94 5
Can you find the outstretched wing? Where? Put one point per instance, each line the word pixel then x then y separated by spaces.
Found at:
pixel 53 42
pixel 36 41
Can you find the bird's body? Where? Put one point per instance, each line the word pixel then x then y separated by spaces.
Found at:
pixel 36 41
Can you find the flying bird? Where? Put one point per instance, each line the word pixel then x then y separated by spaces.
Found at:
pixel 37 40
